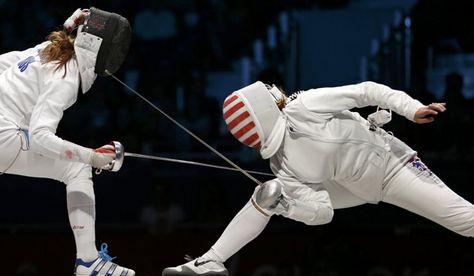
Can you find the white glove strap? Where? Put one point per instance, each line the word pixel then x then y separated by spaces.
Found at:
pixel 75 153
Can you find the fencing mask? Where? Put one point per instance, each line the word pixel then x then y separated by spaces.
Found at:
pixel 253 117
pixel 101 45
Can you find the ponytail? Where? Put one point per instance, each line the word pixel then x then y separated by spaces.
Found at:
pixel 61 49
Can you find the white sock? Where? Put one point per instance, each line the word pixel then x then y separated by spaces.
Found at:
pixel 81 210
pixel 245 227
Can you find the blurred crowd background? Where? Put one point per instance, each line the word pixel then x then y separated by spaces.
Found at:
pixel 186 56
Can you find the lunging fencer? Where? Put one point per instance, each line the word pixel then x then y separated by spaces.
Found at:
pixel 36 86
pixel 326 157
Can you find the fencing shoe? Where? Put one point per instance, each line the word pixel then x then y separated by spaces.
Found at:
pixel 199 266
pixel 102 266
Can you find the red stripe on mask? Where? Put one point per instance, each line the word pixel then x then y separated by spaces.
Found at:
pixel 229 100
pixel 238 120
pixel 254 137
pixel 233 109
pixel 241 132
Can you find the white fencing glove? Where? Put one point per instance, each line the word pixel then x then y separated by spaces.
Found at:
pixel 75 19
pixel 102 156
pixel 97 158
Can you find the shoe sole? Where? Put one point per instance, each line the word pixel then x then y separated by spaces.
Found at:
pixel 129 273
pixel 188 272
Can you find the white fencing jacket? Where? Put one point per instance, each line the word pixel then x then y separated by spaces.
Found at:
pixel 326 144
pixel 34 96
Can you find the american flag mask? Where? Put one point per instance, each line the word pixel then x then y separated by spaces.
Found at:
pixel 239 122
pixel 251 113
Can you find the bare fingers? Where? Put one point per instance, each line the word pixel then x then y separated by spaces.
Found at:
pixel 440 107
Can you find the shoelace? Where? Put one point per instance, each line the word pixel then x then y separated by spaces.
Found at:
pixel 104 253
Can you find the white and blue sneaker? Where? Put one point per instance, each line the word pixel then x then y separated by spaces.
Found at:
pixel 197 267
pixel 102 266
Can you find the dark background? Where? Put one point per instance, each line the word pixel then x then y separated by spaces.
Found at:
pixel 186 56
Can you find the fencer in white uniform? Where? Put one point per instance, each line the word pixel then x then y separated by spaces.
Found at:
pixel 35 90
pixel 326 157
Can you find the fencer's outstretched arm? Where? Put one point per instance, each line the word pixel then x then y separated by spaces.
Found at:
pixel 336 99
pixel 313 207
pixel 57 93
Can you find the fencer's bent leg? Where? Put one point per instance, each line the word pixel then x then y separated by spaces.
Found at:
pixel 81 210
pixel 243 228
pixel 79 192
pixel 416 189
pixel 301 203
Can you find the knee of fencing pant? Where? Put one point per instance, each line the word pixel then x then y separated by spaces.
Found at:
pixel 76 171
pixel 469 232
pixel 462 222
pixel 79 186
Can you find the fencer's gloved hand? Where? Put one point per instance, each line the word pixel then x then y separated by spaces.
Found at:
pixel 98 158
pixel 102 156
pixel 75 19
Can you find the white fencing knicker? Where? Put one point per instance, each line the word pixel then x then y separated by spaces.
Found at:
pixel 13 140
pixel 415 188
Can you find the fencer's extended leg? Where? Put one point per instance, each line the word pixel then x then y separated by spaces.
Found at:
pixel 417 189
pixel 245 227
pixel 305 204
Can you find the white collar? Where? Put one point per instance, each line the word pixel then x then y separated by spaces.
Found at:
pixel 274 140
